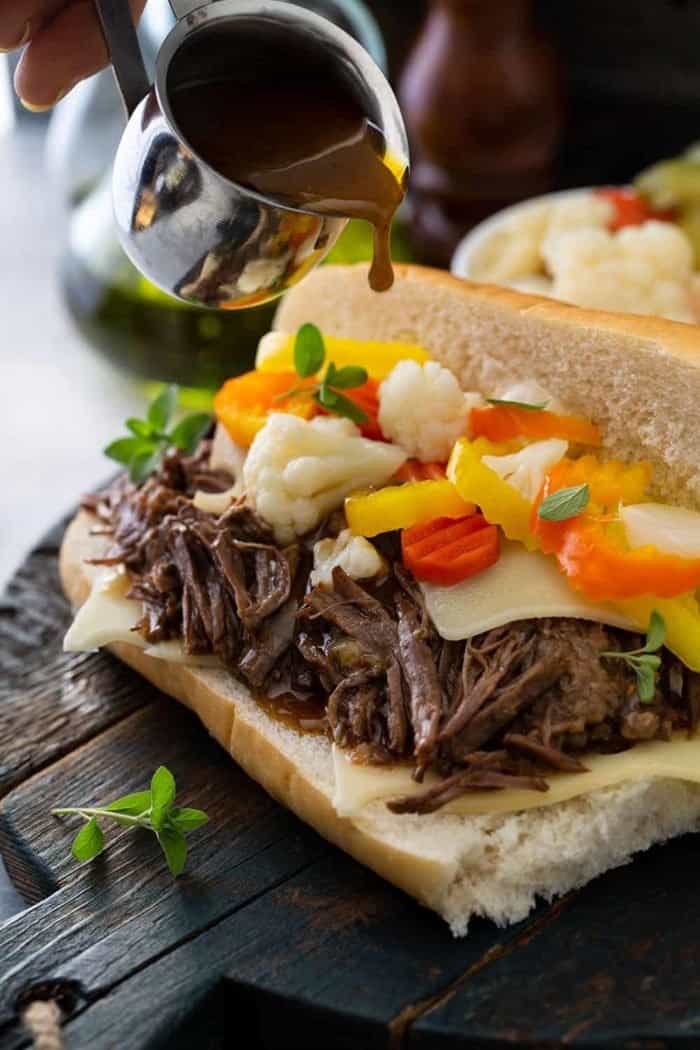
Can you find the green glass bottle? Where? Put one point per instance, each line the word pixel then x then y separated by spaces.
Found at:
pixel 146 332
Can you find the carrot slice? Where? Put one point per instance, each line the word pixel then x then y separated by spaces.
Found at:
pixel 446 551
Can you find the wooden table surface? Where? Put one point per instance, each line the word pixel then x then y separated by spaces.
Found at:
pixel 270 926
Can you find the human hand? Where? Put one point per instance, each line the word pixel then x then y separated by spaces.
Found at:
pixel 62 44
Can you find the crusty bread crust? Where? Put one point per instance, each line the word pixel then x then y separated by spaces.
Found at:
pixel 495 864
pixel 637 377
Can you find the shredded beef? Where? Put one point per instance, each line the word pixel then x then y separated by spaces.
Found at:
pixel 356 613
pixel 422 681
pixel 502 710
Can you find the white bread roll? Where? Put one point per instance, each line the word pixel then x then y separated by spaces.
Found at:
pixel 640 379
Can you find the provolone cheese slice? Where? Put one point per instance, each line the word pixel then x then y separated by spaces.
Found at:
pixel 522 585
pixel 679 759
pixel 108 616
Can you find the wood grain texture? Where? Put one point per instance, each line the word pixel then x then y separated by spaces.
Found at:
pixel 619 968
pixel 112 917
pixel 268 913
pixel 51 701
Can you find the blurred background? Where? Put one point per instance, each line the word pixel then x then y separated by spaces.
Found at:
pixel 503 100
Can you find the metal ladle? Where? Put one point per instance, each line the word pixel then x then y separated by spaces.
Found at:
pixel 190 230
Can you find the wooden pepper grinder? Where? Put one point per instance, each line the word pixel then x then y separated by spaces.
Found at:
pixel 482 98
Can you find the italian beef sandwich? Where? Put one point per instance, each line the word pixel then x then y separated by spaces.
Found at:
pixel 431 579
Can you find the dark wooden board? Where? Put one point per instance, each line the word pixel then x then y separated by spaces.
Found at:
pixel 271 928
pixel 50 701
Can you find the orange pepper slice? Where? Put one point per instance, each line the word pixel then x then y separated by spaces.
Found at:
pixel 243 403
pixel 604 571
pixel 446 551
pixel 504 422
pixel 594 559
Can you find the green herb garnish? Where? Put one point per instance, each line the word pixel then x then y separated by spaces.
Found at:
pixel 309 357
pixel 538 407
pixel 153 810
pixel 144 450
pixel 309 351
pixel 566 503
pixel 644 662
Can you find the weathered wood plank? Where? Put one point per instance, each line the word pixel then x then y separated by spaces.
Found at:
pixel 51 701
pixel 335 946
pixel 620 968
pixel 111 917
pixel 333 957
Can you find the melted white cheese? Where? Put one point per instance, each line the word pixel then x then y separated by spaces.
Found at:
pixel 108 616
pixel 522 585
pixel 216 502
pixel 679 759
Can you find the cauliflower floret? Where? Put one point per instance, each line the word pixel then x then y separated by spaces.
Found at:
pixel 423 409
pixel 581 211
pixel 645 269
pixel 525 470
pixel 299 470
pixel 357 556
pixel 512 250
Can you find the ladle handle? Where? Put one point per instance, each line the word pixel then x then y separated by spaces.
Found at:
pixel 124 51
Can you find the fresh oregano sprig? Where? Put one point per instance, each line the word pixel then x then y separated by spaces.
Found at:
pixel 153 810
pixel 644 662
pixel 150 439
pixel 309 357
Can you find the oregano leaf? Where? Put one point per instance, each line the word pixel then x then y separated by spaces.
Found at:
pixel 186 820
pixel 350 376
pixel 162 795
pixel 656 632
pixel 134 804
pixel 89 841
pixel 162 408
pixel 309 351
pixel 187 434
pixel 565 503
pixel 174 846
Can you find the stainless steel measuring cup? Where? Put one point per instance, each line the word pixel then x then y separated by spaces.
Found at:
pixel 194 233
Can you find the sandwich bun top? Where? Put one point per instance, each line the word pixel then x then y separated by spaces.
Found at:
pixel 637 377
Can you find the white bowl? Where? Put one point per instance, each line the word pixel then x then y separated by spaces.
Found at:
pixel 464 253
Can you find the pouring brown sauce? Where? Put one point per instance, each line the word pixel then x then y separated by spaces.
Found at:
pixel 302 137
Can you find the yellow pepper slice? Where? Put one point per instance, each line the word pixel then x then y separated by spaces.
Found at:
pixel 682 619
pixel 500 503
pixel 400 506
pixel 276 354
